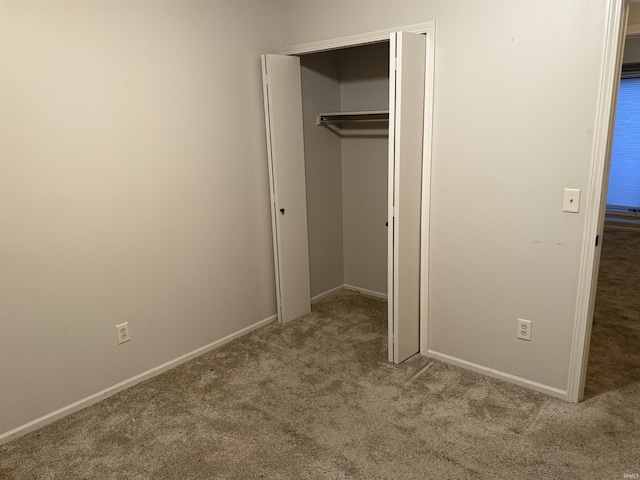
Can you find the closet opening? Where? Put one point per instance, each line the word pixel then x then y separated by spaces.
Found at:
pixel 347 132
pixel 346 168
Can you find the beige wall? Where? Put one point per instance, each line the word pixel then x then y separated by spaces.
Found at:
pixel 323 161
pixel 505 145
pixel 364 74
pixel 133 188
pixel 634 14
pixel 632 44
pixel 632 50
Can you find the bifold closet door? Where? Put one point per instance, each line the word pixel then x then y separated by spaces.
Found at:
pixel 285 148
pixel 406 132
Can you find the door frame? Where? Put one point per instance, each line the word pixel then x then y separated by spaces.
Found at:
pixel 596 201
pixel 429 30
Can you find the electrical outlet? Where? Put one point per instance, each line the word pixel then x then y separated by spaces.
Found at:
pixel 123 332
pixel 524 329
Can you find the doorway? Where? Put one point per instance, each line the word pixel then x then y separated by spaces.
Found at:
pixel 617 28
pixel 614 359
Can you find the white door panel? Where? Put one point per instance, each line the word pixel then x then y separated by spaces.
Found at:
pixel 406 123
pixel 283 117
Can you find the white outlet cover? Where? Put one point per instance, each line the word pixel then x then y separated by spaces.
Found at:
pixel 122 331
pixel 524 329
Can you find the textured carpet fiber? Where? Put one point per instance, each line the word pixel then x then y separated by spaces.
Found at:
pixel 316 399
pixel 614 360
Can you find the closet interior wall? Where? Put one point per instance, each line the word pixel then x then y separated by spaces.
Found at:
pixel 346 169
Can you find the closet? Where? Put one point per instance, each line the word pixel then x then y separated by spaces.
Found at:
pixel 346 166
pixel 344 141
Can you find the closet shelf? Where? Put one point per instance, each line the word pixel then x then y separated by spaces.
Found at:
pixel 334 118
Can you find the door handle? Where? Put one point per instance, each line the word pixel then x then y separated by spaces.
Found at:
pixel 282 211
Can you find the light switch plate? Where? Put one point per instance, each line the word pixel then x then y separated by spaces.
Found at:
pixel 571 202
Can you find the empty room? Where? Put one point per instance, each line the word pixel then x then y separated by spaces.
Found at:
pixel 315 239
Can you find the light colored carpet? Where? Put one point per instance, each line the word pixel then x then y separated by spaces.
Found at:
pixel 614 360
pixel 316 399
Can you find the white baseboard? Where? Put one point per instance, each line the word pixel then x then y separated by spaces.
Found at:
pixel 130 382
pixel 507 377
pixel 364 291
pixel 322 295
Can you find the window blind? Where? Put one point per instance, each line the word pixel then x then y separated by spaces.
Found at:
pixel 624 176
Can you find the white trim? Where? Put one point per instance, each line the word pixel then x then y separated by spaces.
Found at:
pixel 351 288
pixel 329 292
pixel 595 202
pixel 353 40
pixel 392 252
pixel 130 382
pixel 507 377
pixel 272 182
pixel 426 189
pixel 364 291
pixel 633 30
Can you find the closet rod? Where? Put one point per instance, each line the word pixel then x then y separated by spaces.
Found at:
pixel 352 117
pixel 361 120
